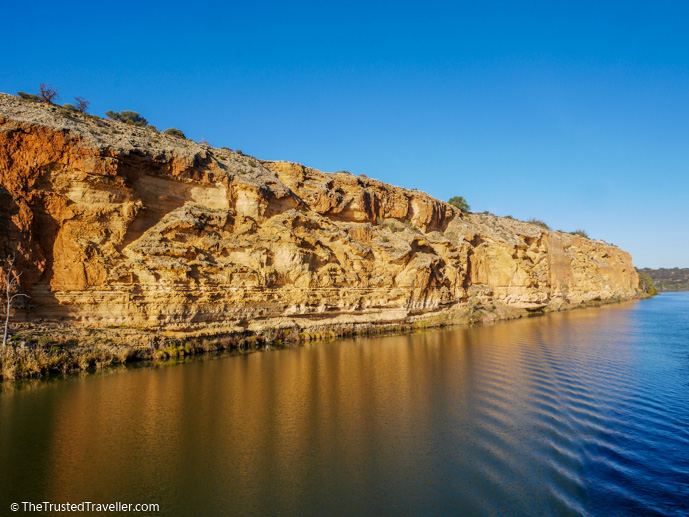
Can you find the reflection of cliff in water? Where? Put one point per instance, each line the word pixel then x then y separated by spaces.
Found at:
pixel 578 413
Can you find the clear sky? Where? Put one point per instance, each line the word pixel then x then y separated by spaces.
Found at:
pixel 576 113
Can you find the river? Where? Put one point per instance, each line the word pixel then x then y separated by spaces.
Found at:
pixel 578 413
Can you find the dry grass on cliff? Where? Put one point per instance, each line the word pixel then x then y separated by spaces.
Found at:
pixel 42 349
pixel 16 363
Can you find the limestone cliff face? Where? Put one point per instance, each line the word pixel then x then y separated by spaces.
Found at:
pixel 114 224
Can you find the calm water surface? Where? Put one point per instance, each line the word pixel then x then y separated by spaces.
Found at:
pixel 580 413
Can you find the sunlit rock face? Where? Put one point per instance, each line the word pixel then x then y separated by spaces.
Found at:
pixel 114 224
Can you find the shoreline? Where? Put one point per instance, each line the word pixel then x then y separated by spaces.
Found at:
pixel 137 245
pixel 39 350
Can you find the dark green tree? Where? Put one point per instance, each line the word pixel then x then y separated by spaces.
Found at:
pixel 460 203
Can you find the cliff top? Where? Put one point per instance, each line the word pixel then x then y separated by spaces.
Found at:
pixel 100 133
pixel 113 138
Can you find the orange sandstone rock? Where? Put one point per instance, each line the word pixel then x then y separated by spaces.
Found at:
pixel 115 224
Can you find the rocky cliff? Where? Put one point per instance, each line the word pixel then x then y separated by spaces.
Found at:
pixel 114 224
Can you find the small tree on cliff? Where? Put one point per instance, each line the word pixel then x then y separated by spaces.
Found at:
pixel 460 203
pixel 47 93
pixel 12 294
pixel 82 104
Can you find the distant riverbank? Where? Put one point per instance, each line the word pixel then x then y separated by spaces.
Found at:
pixel 668 279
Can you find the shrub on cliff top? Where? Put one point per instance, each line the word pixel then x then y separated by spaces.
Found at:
pixel 66 109
pixel 28 96
pixel 174 132
pixel 128 117
pixel 538 222
pixel 460 203
pixel 580 233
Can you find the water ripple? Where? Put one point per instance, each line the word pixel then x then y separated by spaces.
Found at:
pixel 579 413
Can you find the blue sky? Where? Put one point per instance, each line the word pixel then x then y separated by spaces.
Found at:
pixel 576 114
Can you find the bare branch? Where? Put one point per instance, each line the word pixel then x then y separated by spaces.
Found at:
pixel 81 104
pixel 47 93
pixel 12 284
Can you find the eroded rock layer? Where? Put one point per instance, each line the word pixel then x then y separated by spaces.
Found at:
pixel 114 224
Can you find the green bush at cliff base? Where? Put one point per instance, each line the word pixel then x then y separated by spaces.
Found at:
pixel 646 284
